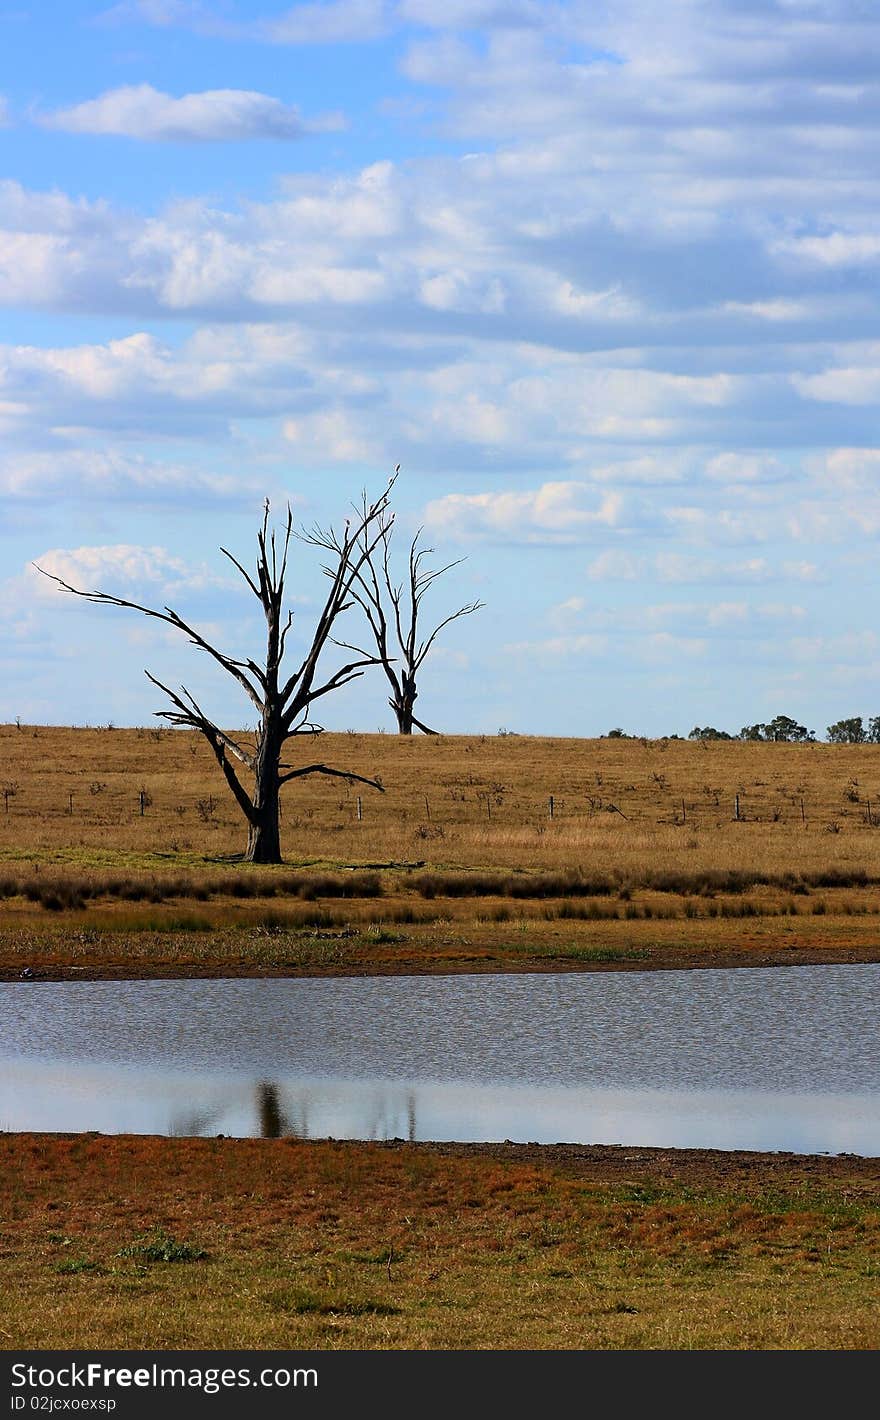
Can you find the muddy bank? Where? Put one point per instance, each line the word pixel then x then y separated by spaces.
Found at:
pixel 75 968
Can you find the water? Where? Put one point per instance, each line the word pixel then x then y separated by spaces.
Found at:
pixel 783 1059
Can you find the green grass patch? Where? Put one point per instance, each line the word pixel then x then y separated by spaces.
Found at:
pixel 157 1246
pixel 600 954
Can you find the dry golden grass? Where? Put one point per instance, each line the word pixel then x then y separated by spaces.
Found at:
pixel 455 800
pixel 336 1245
pixel 643 859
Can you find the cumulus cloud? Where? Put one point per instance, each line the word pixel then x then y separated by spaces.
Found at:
pixel 555 648
pixel 739 618
pixel 846 470
pixel 676 567
pixel 747 468
pixel 615 565
pixel 120 569
pixel 856 385
pixel 111 474
pixel 556 512
pixel 213 116
pixel 837 249
pixel 123 381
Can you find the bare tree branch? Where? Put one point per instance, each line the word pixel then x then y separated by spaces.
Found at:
pixel 382 600
pixel 426 645
pixel 336 773
pixel 190 714
pixel 171 618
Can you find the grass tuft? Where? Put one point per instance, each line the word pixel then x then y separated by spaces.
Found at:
pixel 157 1246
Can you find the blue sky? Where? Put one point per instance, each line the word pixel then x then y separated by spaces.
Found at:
pixel 602 278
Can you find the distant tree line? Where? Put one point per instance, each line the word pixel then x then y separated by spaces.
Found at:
pixel 783 729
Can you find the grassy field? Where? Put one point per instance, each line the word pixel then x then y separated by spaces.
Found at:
pixel 118 856
pixel 280 1244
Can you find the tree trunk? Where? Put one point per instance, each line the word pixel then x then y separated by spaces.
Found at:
pixel 402 705
pixel 264 833
pixel 404 719
pixel 264 836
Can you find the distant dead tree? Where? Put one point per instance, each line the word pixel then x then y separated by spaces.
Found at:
pixel 282 703
pixel 393 609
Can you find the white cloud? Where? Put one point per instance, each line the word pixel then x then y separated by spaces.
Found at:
pixel 243 370
pixel 475 14
pixel 842 386
pixel 31 267
pixel 333 435
pixel 111 473
pixel 119 570
pixel 664 647
pixel 667 468
pixel 617 566
pixel 734 468
pixel 329 22
pixel 835 250
pixel 736 618
pixel 611 303
pixel 779 310
pixel 678 567
pixel 216 115
pixel 847 470
pixel 557 512
pixel 850 647
pixel 559 647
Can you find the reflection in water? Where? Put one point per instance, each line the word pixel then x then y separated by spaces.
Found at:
pixel 43 1096
pixel 272 1122
pixel 786 1059
pixel 382 1111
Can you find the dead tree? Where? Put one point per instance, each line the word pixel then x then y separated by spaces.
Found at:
pixel 393 609
pixel 282 702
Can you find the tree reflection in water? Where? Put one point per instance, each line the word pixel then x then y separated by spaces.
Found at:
pixel 272 1121
pixel 276 1122
pixel 380 1119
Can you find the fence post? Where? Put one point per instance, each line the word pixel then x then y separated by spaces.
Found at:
pixel 736 808
pixel 551 805
pixel 360 808
pixel 141 797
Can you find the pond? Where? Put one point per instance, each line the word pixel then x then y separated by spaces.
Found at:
pixel 771 1059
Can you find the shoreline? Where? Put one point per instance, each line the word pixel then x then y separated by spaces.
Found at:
pixel 669 959
pixel 608 1163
